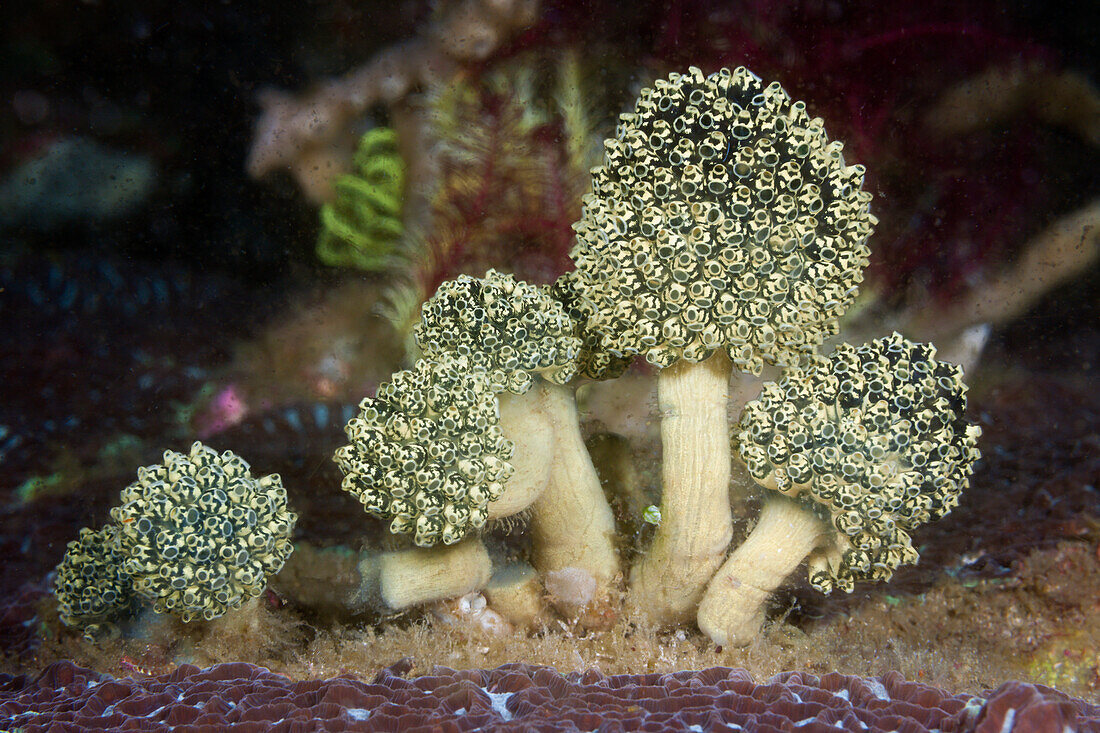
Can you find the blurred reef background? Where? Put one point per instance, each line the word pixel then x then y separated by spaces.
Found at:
pixel 218 221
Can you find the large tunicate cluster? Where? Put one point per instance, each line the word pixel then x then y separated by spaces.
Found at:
pixel 875 439
pixel 91 586
pixel 199 535
pixel 722 218
pixel 427 451
pixel 507 328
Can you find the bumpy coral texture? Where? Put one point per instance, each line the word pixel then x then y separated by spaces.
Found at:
pixel 200 535
pixel 594 361
pixel 427 451
pixel 722 217
pixel 91 586
pixel 875 438
pixel 520 697
pixel 510 329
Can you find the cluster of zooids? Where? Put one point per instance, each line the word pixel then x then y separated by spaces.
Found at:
pixel 724 231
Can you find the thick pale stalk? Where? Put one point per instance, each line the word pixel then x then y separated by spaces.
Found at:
pixel 732 609
pixel 572 525
pixel 695 527
pixel 528 427
pixel 516 593
pixel 421 575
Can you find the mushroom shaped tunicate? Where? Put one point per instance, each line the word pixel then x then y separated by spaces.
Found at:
pixel 525 342
pixel 594 361
pixel 199 535
pixel 427 453
pixel 859 449
pixel 723 230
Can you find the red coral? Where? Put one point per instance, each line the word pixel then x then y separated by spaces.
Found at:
pixel 1024 708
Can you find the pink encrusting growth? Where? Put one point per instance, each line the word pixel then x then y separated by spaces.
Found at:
pixel 227 408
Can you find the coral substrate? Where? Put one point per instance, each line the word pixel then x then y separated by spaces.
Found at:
pixel 242 697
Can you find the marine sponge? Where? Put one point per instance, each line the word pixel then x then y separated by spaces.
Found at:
pixel 427 451
pixel 722 217
pixel 362 226
pixel 91 586
pixel 200 535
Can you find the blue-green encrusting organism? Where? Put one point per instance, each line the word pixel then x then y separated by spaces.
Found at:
pixel 858 449
pixel 91 586
pixel 361 227
pixel 199 535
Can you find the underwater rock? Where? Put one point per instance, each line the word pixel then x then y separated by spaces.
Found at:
pixel 75 179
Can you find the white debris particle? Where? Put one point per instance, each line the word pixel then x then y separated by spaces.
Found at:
pixel 878 690
pixel 358 713
pixel 500 703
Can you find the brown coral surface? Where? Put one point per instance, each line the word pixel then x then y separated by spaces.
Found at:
pixel 243 697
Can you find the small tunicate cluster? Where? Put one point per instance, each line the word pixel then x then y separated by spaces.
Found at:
pixel 875 439
pixel 427 452
pixel 594 361
pixel 91 586
pixel 722 218
pixel 199 535
pixel 509 329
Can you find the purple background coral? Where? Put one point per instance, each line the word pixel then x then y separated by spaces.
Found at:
pixel 520 697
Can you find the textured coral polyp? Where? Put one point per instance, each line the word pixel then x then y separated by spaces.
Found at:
pixel 242 697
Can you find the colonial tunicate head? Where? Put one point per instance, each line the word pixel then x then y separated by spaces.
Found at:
pixel 91 586
pixel 875 439
pixel 507 328
pixel 200 535
pixel 427 452
pixel 594 361
pixel 721 218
